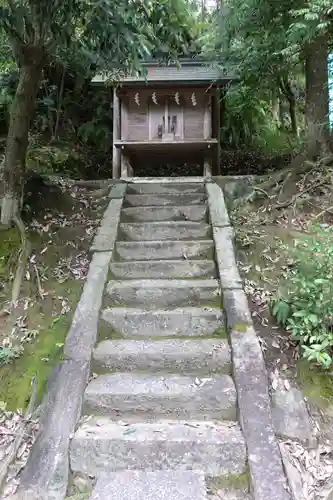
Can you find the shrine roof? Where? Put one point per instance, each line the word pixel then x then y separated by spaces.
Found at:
pixel 185 72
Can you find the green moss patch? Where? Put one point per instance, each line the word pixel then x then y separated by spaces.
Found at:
pixel 316 384
pixel 221 333
pixel 10 242
pixel 231 482
pixel 241 327
pixel 38 360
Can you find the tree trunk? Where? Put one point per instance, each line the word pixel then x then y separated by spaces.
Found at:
pixel 17 139
pixel 288 92
pixel 316 106
pixel 292 112
pixel 275 106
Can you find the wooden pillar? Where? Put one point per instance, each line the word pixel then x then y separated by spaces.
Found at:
pixel 207 132
pixel 116 154
pixel 218 132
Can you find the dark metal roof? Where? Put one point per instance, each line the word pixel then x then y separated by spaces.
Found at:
pixel 187 71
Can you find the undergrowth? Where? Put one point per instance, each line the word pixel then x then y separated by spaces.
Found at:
pixel 304 303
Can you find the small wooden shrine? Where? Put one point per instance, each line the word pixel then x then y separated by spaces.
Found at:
pixel 172 113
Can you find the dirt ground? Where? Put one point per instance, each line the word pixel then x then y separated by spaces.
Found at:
pixel 61 222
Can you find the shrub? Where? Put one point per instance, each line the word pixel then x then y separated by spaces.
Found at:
pixel 305 307
pixel 8 354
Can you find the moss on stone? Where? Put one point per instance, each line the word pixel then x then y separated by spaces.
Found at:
pixel 41 355
pixel 317 384
pixel 231 482
pixel 221 333
pixel 213 304
pixel 105 332
pixel 38 359
pixel 241 327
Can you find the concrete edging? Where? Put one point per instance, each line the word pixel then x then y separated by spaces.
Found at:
pixel 267 475
pixel 47 471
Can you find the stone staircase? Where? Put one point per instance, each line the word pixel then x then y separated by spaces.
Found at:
pixel 161 408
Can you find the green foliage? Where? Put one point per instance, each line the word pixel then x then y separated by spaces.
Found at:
pixel 305 308
pixel 10 243
pixel 248 123
pixel 246 114
pixel 53 159
pixel 8 354
pixel 8 82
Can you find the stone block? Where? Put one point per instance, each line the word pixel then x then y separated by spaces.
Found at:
pixel 202 356
pixel 162 200
pixel 164 269
pixel 163 293
pixel 267 475
pixel 187 322
pixel 139 396
pixel 150 485
pixel 225 258
pixel 152 250
pixel 153 214
pixel 164 231
pixel 108 229
pixel 218 212
pixel 47 469
pixel 290 414
pixel 118 190
pixel 101 445
pixel 166 188
pixel 236 308
pixel 83 331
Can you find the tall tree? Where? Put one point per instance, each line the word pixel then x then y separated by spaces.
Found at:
pixel 117 33
pixel 267 42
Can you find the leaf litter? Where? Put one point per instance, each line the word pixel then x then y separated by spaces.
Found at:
pixel 260 232
pixel 73 266
pixel 314 467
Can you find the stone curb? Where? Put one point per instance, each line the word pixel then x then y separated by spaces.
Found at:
pixel 168 180
pixel 118 191
pixel 108 229
pixel 46 473
pixel 267 476
pixel 218 213
pixel 225 258
pixel 83 331
pixel 47 470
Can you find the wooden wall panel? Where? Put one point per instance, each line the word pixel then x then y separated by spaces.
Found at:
pixel 193 123
pixel 138 126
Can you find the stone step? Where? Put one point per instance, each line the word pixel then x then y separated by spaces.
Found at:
pixel 100 444
pixel 162 200
pixel 164 231
pixel 136 395
pixel 186 321
pixel 193 213
pixel 202 356
pixel 164 269
pixel 149 485
pixel 163 188
pixel 151 250
pixel 163 293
